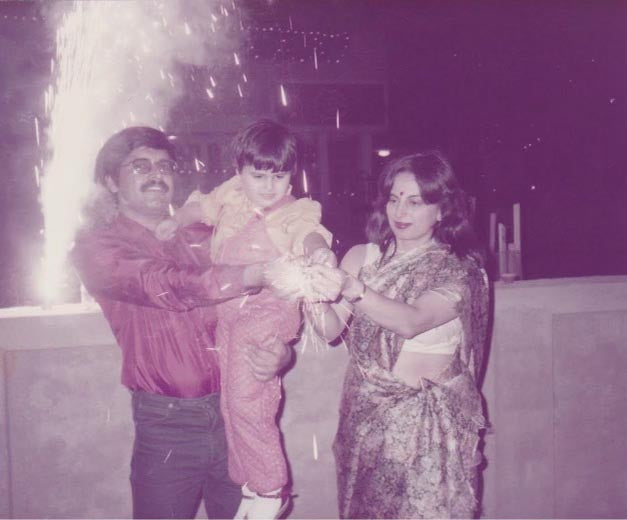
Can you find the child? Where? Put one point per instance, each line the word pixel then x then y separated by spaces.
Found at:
pixel 256 219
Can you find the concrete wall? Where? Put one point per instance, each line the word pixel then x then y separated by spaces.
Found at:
pixel 555 389
pixel 557 396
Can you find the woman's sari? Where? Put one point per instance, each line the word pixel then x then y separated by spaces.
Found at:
pixel 403 452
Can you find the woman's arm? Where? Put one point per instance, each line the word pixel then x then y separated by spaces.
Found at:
pixel 330 319
pixel 405 319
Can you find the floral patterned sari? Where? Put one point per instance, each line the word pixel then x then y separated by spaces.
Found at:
pixel 403 452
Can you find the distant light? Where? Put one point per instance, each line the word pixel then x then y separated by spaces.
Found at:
pixel 384 152
pixel 533 186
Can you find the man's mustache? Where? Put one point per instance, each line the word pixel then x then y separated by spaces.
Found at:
pixel 159 184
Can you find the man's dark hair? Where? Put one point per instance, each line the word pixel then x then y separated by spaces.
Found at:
pixel 118 146
pixel 266 145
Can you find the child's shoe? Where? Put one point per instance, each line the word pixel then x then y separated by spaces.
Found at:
pixel 268 505
pixel 248 498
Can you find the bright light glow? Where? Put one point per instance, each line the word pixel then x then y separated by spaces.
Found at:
pixel 283 96
pixel 315 54
pixel 383 152
pixel 100 81
pixel 337 119
pixel 209 93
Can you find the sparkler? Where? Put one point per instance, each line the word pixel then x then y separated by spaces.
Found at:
pixel 37 131
pixel 283 96
pixel 305 184
pixel 167 456
pixel 290 276
pixel 315 446
pixel 198 164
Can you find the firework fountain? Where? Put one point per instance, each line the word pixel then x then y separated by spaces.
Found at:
pixel 117 64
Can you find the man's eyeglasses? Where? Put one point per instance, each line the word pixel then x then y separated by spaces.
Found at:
pixel 143 166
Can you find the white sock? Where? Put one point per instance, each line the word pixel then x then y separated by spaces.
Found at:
pixel 266 507
pixel 248 498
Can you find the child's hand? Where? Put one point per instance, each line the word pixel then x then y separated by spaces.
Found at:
pixel 323 255
pixel 166 229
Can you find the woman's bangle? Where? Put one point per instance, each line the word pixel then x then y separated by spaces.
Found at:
pixel 359 296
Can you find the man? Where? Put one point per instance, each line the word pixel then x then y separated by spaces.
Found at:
pixel 158 298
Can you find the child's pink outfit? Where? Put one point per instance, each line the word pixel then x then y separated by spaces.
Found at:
pixel 244 235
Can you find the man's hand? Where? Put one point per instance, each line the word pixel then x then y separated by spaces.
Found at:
pixel 268 358
pixel 253 276
pixel 166 229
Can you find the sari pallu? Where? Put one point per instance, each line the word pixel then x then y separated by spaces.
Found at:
pixel 404 452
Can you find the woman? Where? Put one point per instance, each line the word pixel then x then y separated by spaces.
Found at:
pixel 411 412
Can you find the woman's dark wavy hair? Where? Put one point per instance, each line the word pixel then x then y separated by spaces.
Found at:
pixel 266 145
pixel 119 145
pixel 438 185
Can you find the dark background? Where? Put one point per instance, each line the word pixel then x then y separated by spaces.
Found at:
pixel 529 99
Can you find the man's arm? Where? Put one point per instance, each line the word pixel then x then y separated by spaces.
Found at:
pixel 120 270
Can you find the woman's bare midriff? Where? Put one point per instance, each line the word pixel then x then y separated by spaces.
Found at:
pixel 411 367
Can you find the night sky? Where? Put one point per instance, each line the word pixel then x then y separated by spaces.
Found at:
pixel 529 99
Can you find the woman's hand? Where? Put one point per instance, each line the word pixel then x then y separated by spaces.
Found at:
pixel 326 282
